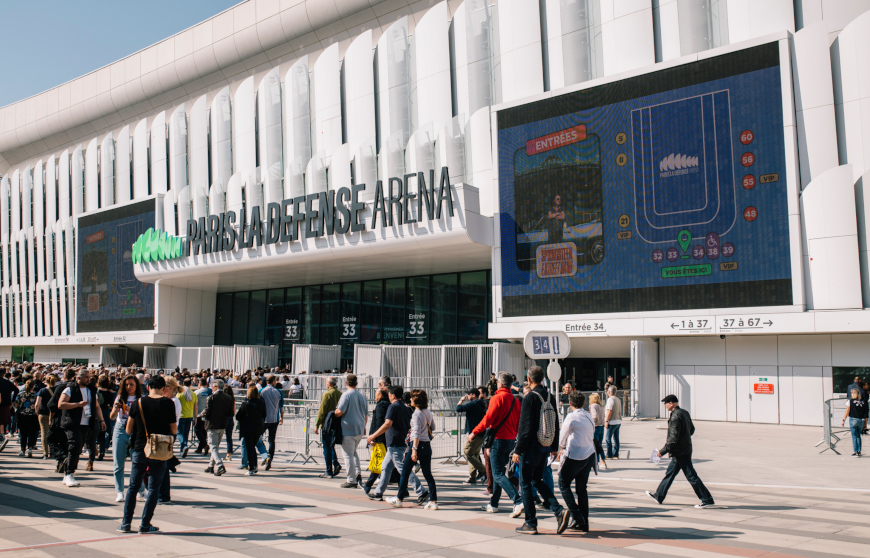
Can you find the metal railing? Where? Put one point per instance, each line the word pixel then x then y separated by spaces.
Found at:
pixel 832 408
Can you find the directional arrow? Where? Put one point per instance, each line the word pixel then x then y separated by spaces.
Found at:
pixel 674 326
pixel 768 323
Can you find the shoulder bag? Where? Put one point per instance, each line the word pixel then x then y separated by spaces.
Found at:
pixel 157 446
pixel 489 435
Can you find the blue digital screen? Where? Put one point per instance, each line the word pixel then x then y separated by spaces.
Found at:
pixel 666 191
pixel 109 297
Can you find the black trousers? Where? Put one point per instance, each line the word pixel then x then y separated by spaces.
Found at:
pixel 201 434
pixel 250 442
pixel 683 463
pixel 576 471
pixel 272 429
pixel 74 442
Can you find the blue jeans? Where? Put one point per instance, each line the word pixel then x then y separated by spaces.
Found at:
pixel 499 456
pixel 228 432
pixel 103 435
pixel 613 440
pixel 184 431
pixel 534 463
pixel 856 426
pixel 599 435
pixel 156 470
pixel 120 442
pixel 261 449
pixel 548 478
pixel 329 453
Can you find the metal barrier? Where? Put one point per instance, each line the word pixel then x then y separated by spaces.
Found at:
pixel 832 408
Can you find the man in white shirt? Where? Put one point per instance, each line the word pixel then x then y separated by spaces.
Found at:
pixel 79 407
pixel 577 458
pixel 352 409
pixel 612 422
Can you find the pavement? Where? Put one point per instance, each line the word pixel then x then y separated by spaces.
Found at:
pixel 776 496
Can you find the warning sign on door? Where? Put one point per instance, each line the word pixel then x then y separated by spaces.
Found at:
pixel 763 388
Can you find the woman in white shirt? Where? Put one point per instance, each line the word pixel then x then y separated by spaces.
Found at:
pixel 577 458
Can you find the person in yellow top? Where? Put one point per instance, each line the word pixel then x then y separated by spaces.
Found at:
pixel 187 397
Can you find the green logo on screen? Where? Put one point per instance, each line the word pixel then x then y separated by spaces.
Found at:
pixel 155 245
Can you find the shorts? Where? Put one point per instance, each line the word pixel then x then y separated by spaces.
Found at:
pixel 6 414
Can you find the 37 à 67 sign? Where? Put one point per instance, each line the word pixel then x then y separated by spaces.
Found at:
pixel 547 345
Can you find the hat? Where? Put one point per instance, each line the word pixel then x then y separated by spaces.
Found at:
pixel 670 399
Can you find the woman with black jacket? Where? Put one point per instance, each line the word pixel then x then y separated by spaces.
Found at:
pixel 382 403
pixel 250 416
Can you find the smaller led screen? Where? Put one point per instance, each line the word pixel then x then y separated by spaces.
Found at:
pixel 109 297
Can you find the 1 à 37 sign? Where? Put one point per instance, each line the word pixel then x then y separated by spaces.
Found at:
pixel 547 345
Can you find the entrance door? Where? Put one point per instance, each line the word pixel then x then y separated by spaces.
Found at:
pixel 711 389
pixel 808 395
pixel 764 394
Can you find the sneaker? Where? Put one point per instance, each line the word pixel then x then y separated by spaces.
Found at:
pixel 119 497
pixel 251 472
pixel 362 486
pixel 326 476
pixel 423 498
pixel 268 464
pixel 604 463
pixel 470 480
pixel 145 529
pixel 229 457
pixel 564 520
pixel 123 528
pixel 358 477
pixel 614 457
pixel 70 481
pixel 653 496
pixel 375 497
pixel 431 506
pixel 518 510
pixel 527 529
pixel 490 509
pixel 241 467
pixel 209 469
pixel 702 505
pixel 577 526
pixel 30 453
pixel 184 452
pixel 140 497
pixel 349 485
pixel 165 502
pixel 853 455
pixel 22 454
pixel 337 471
pixel 89 466
pixel 395 502
pixel 220 471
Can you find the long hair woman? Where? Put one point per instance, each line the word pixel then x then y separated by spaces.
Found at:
pixel 250 416
pixel 422 426
pixel 171 391
pixel 128 395
pixel 856 412
pixel 105 387
pixel 597 413
pixel 42 398
pixel 28 424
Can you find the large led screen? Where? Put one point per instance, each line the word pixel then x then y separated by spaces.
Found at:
pixel 110 298
pixel 665 191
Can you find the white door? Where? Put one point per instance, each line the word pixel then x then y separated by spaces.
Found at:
pixel 764 394
pixel 679 381
pixel 710 393
pixel 786 395
pixel 808 388
pixel 743 395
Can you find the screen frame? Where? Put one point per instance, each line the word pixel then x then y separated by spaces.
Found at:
pixel 792 187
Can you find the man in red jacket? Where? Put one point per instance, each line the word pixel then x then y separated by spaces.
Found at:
pixel 502 415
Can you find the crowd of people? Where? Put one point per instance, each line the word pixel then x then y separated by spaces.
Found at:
pixel 516 428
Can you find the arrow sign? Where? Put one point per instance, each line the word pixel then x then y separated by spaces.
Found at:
pixel 768 323
pixel 674 326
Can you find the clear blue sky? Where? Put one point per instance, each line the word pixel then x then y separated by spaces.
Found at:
pixel 44 43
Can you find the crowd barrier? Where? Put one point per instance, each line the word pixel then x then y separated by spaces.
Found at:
pixel 832 412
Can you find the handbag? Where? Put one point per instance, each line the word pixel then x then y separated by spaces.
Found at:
pixel 157 446
pixel 489 435
pixel 379 451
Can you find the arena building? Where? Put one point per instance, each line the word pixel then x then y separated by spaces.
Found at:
pixel 675 184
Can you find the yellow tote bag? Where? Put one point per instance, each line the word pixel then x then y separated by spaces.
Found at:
pixel 379 451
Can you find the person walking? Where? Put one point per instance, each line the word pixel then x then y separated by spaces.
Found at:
pixel 231 423
pixel 612 422
pixel 28 423
pixel 250 417
pixel 8 392
pixel 152 414
pixel 128 395
pixel 187 398
pixel 577 458
pixel 352 409
pixel 107 398
pixel 397 427
pixel 856 412
pixel 474 410
pixel 537 439
pixel 679 445
pixel 328 403
pixel 500 421
pixel 79 413
pixel 382 403
pixel 274 401
pixel 420 452
pixel 202 395
pixel 42 398
pixel 219 410
pixel 597 413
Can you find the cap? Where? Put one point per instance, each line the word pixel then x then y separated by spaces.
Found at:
pixel 670 399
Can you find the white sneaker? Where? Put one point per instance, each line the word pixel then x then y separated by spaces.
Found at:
pixel 431 506
pixel 70 481
pixel 518 510
pixel 29 453
pixel 490 509
pixel 395 502
pixel 119 497
pixel 140 497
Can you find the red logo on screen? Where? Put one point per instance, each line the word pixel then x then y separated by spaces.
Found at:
pixel 556 140
pixel 95 237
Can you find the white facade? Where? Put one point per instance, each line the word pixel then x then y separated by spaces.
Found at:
pixel 271 100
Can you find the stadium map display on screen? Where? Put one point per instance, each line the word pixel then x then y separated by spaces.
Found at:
pixel 109 297
pixel 659 192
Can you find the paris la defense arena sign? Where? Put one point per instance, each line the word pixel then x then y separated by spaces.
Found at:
pixel 337 212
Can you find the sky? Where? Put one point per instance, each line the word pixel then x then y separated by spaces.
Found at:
pixel 44 43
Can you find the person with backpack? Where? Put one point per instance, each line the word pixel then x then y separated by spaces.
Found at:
pixel 81 414
pixel 537 440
